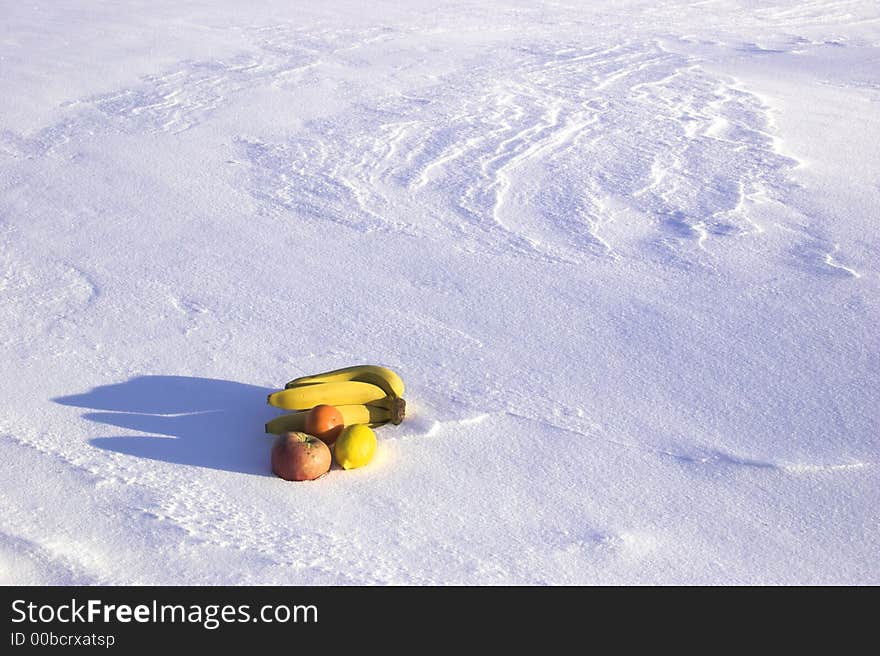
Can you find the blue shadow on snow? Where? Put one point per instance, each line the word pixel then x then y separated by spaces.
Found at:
pixel 202 422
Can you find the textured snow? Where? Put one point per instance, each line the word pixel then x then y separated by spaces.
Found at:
pixel 624 255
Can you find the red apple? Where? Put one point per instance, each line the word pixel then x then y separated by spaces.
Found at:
pixel 300 457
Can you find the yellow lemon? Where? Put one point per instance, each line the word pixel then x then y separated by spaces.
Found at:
pixel 356 446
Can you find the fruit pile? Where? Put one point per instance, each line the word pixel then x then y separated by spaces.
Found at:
pixel 338 408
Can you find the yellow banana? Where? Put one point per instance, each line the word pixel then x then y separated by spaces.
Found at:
pixel 351 414
pixel 392 403
pixel 305 397
pixel 366 373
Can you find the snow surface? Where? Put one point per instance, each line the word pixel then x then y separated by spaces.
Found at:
pixel 624 255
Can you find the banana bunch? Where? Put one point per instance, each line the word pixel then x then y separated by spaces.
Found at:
pixel 364 394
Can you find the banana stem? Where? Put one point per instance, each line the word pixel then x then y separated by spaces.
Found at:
pixel 398 410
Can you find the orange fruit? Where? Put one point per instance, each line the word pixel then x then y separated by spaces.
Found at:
pixel 324 422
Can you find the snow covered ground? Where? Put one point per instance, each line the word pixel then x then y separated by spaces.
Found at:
pixel 624 255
